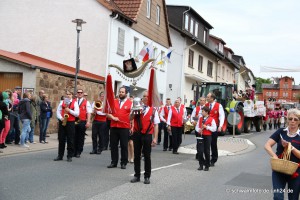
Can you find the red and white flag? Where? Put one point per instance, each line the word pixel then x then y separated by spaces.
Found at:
pixel 109 102
pixel 146 52
pixel 153 94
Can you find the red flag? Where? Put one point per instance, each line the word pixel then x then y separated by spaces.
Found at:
pixel 109 102
pixel 153 95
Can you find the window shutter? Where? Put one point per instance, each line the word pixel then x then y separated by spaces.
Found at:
pixel 121 41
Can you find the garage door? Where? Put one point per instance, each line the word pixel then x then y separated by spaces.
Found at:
pixel 10 80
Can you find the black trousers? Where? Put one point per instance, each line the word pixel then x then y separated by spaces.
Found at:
pixel 98 129
pixel 176 137
pixel 160 128
pixel 142 142
pixel 167 137
pixel 106 135
pixel 79 137
pixel 66 132
pixel 119 135
pixel 203 149
pixel 214 147
pixel 14 132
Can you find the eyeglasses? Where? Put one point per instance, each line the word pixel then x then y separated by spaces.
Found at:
pixel 293 119
pixel 79 92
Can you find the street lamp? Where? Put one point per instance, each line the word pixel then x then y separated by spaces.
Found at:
pixel 79 23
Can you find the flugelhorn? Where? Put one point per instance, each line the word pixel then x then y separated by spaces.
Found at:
pixel 66 116
pixel 97 106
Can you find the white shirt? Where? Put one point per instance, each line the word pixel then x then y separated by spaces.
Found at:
pixel 170 115
pixel 212 128
pixel 221 113
pixel 88 105
pixel 156 117
pixel 74 112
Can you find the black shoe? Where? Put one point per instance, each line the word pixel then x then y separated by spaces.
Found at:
pixel 8 142
pixel 111 166
pixel 123 166
pixel 206 169
pixel 170 149
pixel 98 152
pixel 135 179
pixel 2 146
pixel 69 159
pixel 104 149
pixel 57 158
pixel 200 168
pixel 212 164
pixel 147 181
pixel 77 155
pixel 165 149
pixel 175 152
pixel 93 152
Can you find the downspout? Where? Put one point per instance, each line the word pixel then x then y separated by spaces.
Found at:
pixel 109 44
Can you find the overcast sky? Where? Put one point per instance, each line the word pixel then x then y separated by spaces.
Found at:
pixel 264 32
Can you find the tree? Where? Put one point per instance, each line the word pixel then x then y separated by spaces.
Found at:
pixel 260 81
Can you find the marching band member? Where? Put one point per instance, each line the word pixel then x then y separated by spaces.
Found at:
pixel 66 113
pixel 145 132
pixel 82 123
pixel 119 129
pixel 163 117
pixel 175 124
pixel 99 126
pixel 216 112
pixel 205 126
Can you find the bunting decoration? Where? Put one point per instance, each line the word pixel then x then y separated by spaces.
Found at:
pixel 109 105
pixel 167 58
pixel 153 94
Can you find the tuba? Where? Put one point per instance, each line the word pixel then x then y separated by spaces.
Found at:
pixel 97 106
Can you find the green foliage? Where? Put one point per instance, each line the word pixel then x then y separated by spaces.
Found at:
pixel 260 81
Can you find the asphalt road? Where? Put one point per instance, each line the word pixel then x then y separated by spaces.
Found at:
pixel 34 176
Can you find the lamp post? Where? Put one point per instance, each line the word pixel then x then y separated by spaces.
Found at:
pixel 79 23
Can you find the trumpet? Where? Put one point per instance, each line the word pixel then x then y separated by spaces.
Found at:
pixel 97 106
pixel 64 123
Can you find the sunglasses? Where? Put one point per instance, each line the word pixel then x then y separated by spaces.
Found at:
pixel 293 119
pixel 79 92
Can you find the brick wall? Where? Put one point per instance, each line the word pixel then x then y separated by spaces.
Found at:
pixel 55 85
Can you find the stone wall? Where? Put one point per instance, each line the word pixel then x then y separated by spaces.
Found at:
pixel 55 86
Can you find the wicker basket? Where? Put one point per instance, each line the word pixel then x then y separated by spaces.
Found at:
pixel 284 165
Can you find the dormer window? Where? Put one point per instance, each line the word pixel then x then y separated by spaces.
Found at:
pixel 192 27
pixel 229 55
pixel 220 48
pixel 157 15
pixel 196 29
pixel 186 22
pixel 204 35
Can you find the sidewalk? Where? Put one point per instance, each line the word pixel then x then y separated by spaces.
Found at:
pixel 52 144
pixel 227 146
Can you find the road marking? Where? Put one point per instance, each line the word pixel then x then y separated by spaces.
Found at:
pixel 244 134
pixel 60 197
pixel 163 167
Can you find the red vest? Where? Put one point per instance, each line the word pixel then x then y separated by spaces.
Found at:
pixel 166 112
pixel 177 118
pixel 214 112
pixel 145 119
pixel 100 118
pixel 208 122
pixel 123 114
pixel 197 111
pixel 71 117
pixel 82 110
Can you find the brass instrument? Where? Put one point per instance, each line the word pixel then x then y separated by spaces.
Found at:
pixel 64 123
pixel 97 106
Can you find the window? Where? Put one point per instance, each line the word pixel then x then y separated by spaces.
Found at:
pixel 200 62
pixel 192 27
pixel 191 58
pixel 121 41
pixel 204 36
pixel 274 94
pixel 186 22
pixel 294 95
pixel 196 29
pixel 229 55
pixel 154 52
pixel 136 47
pixel 149 9
pixel 219 70
pixel 209 68
pixel 162 55
pixel 223 72
pixel 157 15
pixel 220 47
